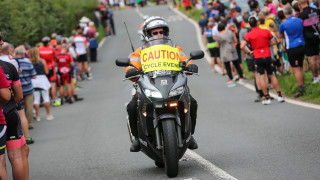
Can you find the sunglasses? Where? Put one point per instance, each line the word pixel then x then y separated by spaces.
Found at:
pixel 156 32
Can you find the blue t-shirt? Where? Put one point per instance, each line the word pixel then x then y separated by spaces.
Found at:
pixel 26 75
pixel 293 32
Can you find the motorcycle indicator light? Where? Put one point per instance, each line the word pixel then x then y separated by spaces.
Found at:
pixel 173 104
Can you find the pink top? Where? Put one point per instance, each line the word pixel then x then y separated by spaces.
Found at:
pixel 272 8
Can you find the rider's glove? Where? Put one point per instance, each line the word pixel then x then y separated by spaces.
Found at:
pixel 192 68
pixel 132 72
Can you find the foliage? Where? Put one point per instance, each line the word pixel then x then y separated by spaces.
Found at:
pixel 29 20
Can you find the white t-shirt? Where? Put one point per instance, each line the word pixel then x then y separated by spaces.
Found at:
pixel 81 44
pixel 10 59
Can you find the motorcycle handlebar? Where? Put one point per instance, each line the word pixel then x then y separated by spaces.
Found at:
pixel 137 76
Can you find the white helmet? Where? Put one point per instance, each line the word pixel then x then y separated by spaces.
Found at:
pixel 154 22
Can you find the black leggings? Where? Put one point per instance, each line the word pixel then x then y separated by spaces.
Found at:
pixel 236 65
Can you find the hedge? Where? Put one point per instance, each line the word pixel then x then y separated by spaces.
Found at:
pixel 30 20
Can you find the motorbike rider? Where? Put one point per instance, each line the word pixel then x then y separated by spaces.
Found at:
pixel 155 27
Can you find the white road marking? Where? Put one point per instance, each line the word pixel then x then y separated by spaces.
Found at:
pixel 249 86
pixel 140 14
pixel 214 170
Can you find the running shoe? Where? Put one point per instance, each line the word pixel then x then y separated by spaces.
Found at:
pixel 280 99
pixel 56 103
pixel 38 118
pixel 258 99
pixel 89 78
pixel 298 94
pixel 242 82
pixel 29 140
pixel 266 102
pixel 50 117
pixel 231 83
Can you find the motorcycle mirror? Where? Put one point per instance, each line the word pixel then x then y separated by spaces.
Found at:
pixel 196 55
pixel 123 62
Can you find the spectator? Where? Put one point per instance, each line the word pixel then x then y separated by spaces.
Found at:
pixel 292 31
pixel 5 96
pixel 64 64
pixel 296 8
pixel 187 6
pixel 260 42
pixel 254 6
pixel 250 58
pixel 271 8
pixel 97 17
pixel 311 34
pixel 17 148
pixel 28 72
pixel 225 41
pixel 47 53
pixel 41 84
pixel 215 32
pixel 203 21
pixel 81 45
pixel 211 44
pixel 93 45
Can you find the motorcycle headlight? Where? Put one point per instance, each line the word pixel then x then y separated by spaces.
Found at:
pixel 153 94
pixel 176 92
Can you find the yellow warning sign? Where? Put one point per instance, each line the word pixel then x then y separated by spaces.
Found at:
pixel 160 57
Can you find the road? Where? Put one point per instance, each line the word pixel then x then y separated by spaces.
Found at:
pixel 245 140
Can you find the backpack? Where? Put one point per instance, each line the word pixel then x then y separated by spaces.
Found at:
pixel 93 43
pixel 277 22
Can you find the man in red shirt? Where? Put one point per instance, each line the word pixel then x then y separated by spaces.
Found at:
pixel 5 96
pixel 64 63
pixel 48 54
pixel 260 40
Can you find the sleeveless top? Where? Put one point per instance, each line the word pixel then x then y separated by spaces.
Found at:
pixel 39 68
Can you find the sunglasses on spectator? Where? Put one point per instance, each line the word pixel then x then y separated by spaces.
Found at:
pixel 156 32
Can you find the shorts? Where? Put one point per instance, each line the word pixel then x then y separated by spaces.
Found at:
pixel 52 76
pixel 82 58
pixel 188 8
pixel 216 52
pixel 3 130
pixel 20 105
pixel 263 64
pixel 65 78
pixel 15 138
pixel 211 52
pixel 296 56
pixel 312 47
pixel 250 64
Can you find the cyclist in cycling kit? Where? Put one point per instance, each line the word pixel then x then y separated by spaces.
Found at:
pixel 155 27
pixel 47 53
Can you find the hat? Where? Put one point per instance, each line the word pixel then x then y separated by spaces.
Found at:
pixel 84 19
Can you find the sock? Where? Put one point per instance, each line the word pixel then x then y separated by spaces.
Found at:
pixel 279 93
pixel 88 75
pixel 301 88
pixel 260 93
pixel 267 96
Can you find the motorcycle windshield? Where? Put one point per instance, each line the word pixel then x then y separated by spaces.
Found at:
pixel 160 54
pixel 153 41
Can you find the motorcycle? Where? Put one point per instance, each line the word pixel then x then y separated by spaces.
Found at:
pixel 164 123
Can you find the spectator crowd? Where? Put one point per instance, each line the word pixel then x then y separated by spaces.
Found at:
pixel 47 74
pixel 281 36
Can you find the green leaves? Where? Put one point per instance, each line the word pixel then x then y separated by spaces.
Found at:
pixel 30 20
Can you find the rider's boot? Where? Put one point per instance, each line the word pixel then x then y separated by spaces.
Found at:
pixel 135 146
pixel 193 143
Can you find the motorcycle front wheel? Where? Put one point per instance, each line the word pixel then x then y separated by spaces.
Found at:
pixel 170 145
